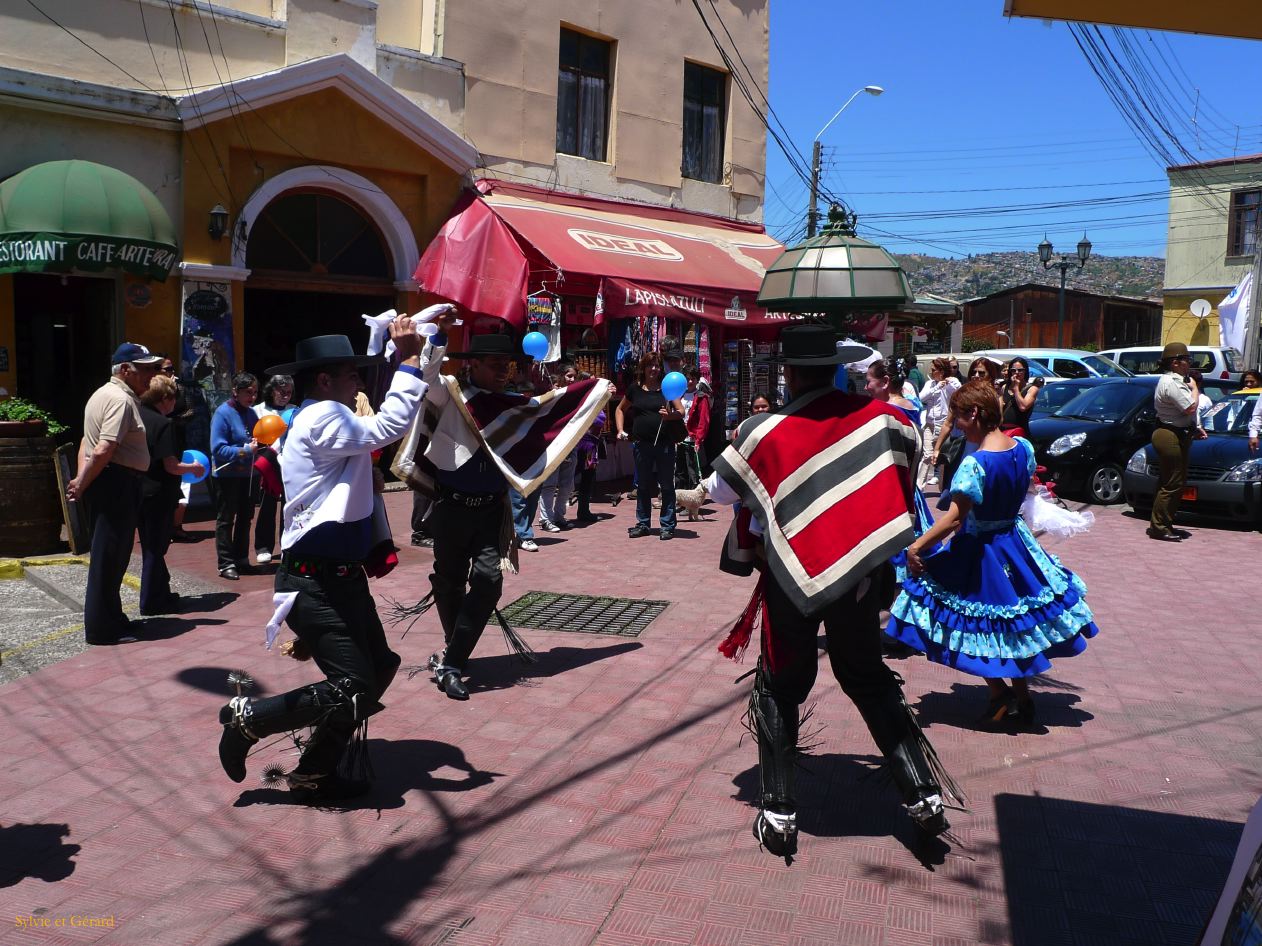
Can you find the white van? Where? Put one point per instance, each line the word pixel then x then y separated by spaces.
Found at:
pixel 1210 360
pixel 1066 362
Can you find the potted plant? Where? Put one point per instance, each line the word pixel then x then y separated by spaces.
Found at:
pixel 21 418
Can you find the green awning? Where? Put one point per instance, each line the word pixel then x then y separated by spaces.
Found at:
pixel 61 216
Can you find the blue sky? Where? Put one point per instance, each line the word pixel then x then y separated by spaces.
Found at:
pixel 981 111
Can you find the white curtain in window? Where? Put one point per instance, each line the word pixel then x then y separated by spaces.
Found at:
pixel 703 141
pixel 591 117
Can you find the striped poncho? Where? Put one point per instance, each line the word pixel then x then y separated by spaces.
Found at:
pixel 828 477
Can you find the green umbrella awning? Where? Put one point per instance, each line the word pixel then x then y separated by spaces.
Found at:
pixel 66 215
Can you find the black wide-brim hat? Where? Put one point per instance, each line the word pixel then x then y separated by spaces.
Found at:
pixel 806 345
pixel 324 350
pixel 484 346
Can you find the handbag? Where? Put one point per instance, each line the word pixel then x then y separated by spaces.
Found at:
pixel 952 452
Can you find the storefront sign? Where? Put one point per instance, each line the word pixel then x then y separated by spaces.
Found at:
pixel 623 298
pixel 628 246
pixel 65 252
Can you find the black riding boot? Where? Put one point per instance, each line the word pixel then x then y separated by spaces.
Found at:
pixel 907 752
pixel 775 724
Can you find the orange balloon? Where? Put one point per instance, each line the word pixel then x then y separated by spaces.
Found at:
pixel 269 429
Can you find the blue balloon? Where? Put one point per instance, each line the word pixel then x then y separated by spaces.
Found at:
pixel 535 344
pixel 673 386
pixel 195 456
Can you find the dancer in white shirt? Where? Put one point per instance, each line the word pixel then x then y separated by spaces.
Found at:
pixel 321 585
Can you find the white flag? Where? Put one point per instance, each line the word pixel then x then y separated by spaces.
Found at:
pixel 1233 314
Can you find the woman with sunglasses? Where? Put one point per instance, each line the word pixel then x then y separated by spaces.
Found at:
pixel 983 369
pixel 1018 395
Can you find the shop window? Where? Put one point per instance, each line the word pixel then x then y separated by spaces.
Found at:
pixel 583 96
pixel 1242 222
pixel 318 234
pixel 705 103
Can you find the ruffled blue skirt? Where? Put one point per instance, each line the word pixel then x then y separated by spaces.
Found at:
pixel 993 604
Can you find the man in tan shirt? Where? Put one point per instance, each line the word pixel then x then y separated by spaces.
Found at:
pixel 112 462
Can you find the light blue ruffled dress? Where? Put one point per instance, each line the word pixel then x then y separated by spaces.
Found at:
pixel 993 603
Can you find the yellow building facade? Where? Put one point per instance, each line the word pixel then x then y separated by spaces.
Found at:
pixel 1208 245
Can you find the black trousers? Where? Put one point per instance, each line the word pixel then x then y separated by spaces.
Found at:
pixel 586 480
pixel 155 527
pixel 852 629
pixel 265 523
pixel 336 617
pixel 113 504
pixel 466 580
pixel 233 512
pixel 421 506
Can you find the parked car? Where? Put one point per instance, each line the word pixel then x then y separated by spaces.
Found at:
pixel 1066 362
pixel 1055 396
pixel 1087 443
pixel 1210 360
pixel 1224 478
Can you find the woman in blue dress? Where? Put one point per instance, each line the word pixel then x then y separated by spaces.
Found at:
pixel 991 603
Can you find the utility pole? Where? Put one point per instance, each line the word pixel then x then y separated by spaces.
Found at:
pixel 811 215
pixel 1251 326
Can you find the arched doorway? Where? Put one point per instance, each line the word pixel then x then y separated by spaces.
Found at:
pixel 317 263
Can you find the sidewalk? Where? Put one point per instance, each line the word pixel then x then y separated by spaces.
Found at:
pixel 604 794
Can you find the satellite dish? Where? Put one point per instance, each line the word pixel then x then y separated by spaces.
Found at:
pixel 1200 308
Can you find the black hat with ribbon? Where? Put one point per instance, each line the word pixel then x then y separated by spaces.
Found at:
pixel 324 350
pixel 484 346
pixel 805 345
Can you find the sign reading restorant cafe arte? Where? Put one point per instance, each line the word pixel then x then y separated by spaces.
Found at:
pixel 64 252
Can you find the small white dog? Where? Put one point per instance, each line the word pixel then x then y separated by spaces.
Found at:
pixel 692 500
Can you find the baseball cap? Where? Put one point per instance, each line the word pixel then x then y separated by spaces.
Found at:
pixel 136 354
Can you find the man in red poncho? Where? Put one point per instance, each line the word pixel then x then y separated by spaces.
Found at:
pixel 825 481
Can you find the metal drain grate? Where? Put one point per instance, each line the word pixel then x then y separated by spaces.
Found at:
pixel 583 614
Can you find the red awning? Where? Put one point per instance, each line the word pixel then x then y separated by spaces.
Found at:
pixel 646 260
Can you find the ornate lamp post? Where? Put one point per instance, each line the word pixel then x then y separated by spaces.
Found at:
pixel 1045 257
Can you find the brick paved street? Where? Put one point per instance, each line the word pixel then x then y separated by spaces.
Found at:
pixel 604 796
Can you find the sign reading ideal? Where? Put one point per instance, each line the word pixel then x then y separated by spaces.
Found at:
pixel 64 252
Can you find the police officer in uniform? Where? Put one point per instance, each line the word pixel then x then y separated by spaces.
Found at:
pixel 1175 403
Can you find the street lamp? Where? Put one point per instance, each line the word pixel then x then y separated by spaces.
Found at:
pixel 1003 334
pixel 1045 257
pixel 811 216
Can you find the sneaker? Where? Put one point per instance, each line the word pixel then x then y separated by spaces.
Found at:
pixel 636 532
pixel 262 556
pixel 932 481
pixel 528 545
pixel 547 525
pixel 423 541
pixel 666 535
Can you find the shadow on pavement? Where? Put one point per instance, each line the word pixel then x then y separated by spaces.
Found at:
pixel 1083 873
pixel 965 703
pixel 402 766
pixel 35 850
pixel 206 602
pixel 165 628
pixel 502 672
pixel 215 680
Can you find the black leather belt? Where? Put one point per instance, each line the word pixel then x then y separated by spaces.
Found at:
pixel 322 567
pixel 472 500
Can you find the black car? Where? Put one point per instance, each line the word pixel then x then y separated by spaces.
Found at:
pixel 1087 443
pixel 1053 397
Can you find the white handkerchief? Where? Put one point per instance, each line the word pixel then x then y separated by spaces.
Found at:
pixel 377 328
pixel 283 601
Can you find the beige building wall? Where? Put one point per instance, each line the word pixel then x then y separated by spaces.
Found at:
pixel 1197 264
pixel 487 69
pixel 510 51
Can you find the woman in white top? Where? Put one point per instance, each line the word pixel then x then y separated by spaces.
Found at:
pixel 935 397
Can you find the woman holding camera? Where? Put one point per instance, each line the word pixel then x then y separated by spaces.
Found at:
pixel 1018 395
